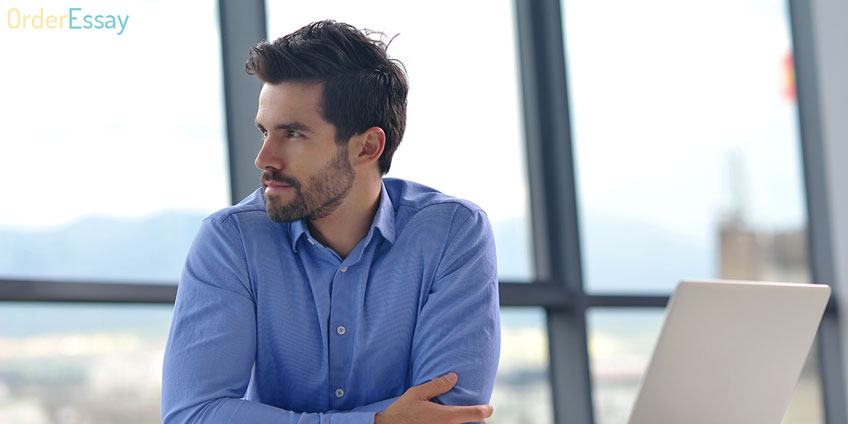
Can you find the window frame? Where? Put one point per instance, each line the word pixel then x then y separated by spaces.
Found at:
pixel 558 287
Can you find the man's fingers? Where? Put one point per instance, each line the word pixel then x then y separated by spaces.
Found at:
pixel 435 386
pixel 465 414
pixel 449 413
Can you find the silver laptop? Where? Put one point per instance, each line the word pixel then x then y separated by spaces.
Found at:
pixel 729 352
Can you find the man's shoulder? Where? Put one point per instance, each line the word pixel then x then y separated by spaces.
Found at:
pixel 251 207
pixel 414 200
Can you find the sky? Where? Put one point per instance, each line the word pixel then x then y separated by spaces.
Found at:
pixel 662 106
pixel 665 96
pixel 679 117
pixel 130 125
pixel 115 125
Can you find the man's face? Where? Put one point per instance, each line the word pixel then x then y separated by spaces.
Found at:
pixel 305 173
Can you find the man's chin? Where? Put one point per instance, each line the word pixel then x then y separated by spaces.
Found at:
pixel 276 200
pixel 277 216
pixel 282 213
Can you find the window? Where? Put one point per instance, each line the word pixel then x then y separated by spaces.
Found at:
pixel 81 362
pixel 686 144
pixel 687 162
pixel 113 145
pixel 522 391
pixel 113 152
pixel 685 153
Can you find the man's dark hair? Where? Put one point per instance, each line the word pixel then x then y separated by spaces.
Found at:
pixel 363 88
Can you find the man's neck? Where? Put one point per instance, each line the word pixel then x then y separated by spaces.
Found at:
pixel 350 222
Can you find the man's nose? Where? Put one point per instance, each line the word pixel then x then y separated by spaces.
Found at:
pixel 268 158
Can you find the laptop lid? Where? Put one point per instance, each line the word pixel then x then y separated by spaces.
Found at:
pixel 729 352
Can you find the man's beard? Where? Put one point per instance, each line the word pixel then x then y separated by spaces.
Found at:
pixel 324 193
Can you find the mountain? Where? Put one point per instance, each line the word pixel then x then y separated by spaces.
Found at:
pixel 618 254
pixel 97 248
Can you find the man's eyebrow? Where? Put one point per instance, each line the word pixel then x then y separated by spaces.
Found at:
pixel 289 126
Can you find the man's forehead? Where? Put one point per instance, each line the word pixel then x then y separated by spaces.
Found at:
pixel 290 101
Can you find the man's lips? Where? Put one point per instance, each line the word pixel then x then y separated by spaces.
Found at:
pixel 276 187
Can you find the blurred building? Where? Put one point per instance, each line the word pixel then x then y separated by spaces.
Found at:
pixel 760 255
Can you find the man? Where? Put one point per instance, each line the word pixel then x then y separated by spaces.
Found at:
pixel 332 295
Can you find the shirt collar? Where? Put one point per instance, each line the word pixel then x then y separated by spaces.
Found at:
pixel 384 221
pixel 297 229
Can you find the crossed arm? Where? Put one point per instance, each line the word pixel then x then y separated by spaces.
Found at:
pixel 212 344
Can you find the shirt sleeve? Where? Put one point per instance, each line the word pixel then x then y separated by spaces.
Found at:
pixel 212 342
pixel 458 327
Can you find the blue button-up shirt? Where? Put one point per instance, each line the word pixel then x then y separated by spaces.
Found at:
pixel 270 326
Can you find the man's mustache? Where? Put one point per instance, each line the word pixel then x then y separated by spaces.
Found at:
pixel 277 177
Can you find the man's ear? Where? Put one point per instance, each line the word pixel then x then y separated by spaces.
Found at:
pixel 368 146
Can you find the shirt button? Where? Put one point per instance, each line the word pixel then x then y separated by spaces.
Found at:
pixel 339 393
pixel 344 269
pixel 341 330
pixel 312 242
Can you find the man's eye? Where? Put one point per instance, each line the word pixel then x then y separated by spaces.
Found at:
pixel 294 133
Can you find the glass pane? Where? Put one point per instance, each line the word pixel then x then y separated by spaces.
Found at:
pixel 102 364
pixel 81 363
pixel 464 132
pixel 620 347
pixel 113 145
pixel 621 342
pixel 686 142
pixel 522 392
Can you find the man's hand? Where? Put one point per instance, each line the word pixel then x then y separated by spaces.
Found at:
pixel 415 407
